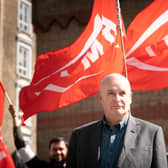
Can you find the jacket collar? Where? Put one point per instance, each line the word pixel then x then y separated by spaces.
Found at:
pixel 130 137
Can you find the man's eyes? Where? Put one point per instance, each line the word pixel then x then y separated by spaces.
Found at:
pixel 58 149
pixel 120 93
pixel 111 93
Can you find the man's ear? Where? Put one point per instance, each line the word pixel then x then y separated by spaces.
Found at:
pixel 99 97
pixel 131 97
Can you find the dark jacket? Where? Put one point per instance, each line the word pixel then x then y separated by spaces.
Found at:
pixel 37 163
pixel 143 146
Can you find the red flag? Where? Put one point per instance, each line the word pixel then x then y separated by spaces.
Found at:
pixel 2 97
pixel 6 160
pixel 147 48
pixel 73 73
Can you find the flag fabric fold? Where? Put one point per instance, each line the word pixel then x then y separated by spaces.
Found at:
pixel 147 48
pixel 6 160
pixel 68 75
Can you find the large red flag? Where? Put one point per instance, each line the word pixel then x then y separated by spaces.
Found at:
pixel 73 73
pixel 2 99
pixel 6 160
pixel 147 48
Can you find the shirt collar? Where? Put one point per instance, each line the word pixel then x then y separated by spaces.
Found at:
pixel 119 125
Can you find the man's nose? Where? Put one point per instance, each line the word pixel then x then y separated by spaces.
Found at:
pixel 117 97
pixel 58 151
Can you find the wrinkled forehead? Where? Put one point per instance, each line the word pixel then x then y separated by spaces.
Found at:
pixel 115 79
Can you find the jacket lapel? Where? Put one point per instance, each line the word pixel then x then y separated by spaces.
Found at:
pixel 93 155
pixel 129 142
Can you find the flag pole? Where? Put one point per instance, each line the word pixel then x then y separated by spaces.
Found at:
pixel 121 35
pixel 8 98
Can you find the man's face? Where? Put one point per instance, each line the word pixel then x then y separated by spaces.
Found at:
pixel 58 151
pixel 115 97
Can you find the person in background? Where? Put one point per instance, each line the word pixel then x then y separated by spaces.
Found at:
pixel 58 148
pixel 118 140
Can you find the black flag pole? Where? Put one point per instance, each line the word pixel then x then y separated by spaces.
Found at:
pixel 121 35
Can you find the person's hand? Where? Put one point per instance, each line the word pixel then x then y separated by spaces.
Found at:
pixel 12 111
pixel 14 115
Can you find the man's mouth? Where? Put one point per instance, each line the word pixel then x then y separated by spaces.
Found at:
pixel 117 106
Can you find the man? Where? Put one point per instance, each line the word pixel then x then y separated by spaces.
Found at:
pixel 119 140
pixel 58 148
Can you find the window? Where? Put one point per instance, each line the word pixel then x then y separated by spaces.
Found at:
pixel 24 57
pixel 25 16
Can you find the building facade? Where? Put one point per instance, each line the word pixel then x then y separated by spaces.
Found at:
pixel 17 57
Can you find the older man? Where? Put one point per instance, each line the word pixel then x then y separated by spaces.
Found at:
pixel 119 140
